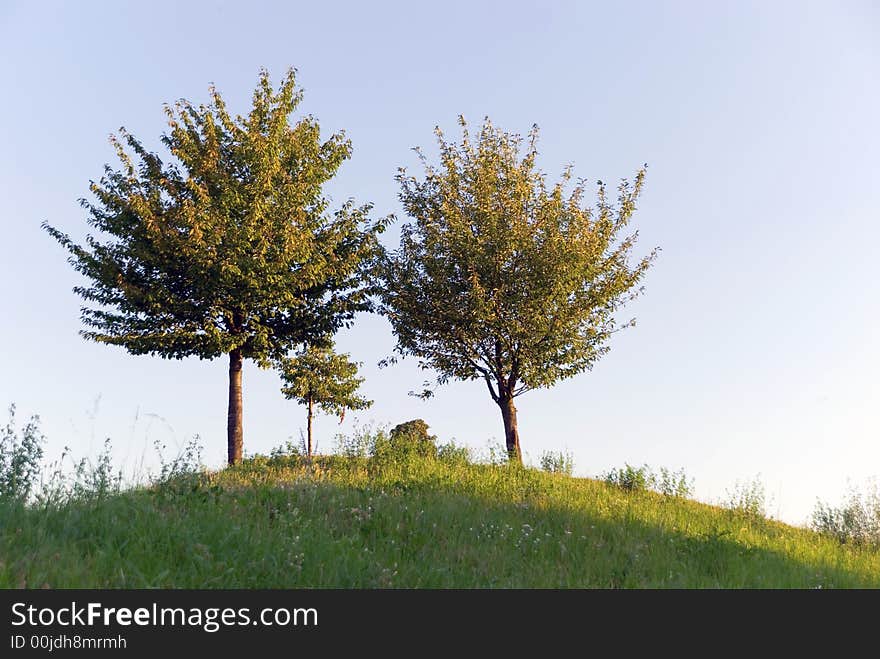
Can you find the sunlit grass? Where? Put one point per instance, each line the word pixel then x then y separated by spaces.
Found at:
pixel 413 522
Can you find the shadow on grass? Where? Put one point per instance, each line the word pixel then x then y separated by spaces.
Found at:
pixel 353 524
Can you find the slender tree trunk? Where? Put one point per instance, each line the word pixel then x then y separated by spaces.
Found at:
pixel 511 434
pixel 309 431
pixel 234 435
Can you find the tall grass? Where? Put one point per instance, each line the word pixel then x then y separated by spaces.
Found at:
pixel 375 517
pixel 855 521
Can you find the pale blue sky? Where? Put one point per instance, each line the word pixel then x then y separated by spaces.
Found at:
pixel 755 350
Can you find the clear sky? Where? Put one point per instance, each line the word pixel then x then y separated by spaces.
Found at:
pixel 756 346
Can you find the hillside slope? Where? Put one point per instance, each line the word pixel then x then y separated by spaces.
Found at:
pixel 412 523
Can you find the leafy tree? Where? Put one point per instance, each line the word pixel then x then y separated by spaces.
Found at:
pixel 228 248
pixel 504 278
pixel 317 376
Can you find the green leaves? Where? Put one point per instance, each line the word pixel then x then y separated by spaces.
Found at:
pixel 228 243
pixel 228 247
pixel 316 375
pixel 502 276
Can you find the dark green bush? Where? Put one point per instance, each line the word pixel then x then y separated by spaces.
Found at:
pixel 412 437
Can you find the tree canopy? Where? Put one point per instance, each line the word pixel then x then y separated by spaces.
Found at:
pixel 227 246
pixel 319 377
pixel 503 277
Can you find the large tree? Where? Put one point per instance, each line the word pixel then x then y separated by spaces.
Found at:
pixel 504 278
pixel 228 246
pixel 317 376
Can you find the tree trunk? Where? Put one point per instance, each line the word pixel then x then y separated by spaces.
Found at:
pixel 234 435
pixel 309 431
pixel 511 434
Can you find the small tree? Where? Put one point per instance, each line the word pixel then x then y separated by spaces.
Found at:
pixel 504 279
pixel 229 248
pixel 317 376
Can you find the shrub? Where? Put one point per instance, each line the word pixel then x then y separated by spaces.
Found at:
pixel 495 454
pixel 629 478
pixel 412 437
pixel 365 441
pixel 857 521
pixel 668 483
pixel 673 483
pixel 747 498
pixel 557 462
pixel 20 455
pixel 453 454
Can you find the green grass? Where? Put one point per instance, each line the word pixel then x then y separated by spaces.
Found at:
pixel 415 523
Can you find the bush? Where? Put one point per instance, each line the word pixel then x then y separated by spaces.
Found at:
pixel 452 454
pixel 668 483
pixel 365 441
pixel 495 454
pixel 557 462
pixel 411 438
pixel 747 498
pixel 20 455
pixel 629 478
pixel 857 521
pixel 673 483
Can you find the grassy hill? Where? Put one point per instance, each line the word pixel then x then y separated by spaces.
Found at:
pixel 408 522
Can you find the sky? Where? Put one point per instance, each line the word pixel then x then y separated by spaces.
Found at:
pixel 755 351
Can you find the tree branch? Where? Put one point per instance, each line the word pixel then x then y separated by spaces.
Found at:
pixel 491 388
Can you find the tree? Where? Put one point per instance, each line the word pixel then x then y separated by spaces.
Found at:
pixel 229 248
pixel 503 278
pixel 318 376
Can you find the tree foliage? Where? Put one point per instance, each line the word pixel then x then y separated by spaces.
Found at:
pixel 320 377
pixel 503 277
pixel 228 245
